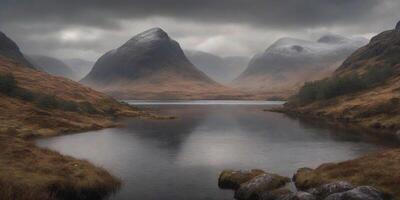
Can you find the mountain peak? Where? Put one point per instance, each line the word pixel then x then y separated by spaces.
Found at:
pixel 9 49
pixel 153 34
pixel 398 26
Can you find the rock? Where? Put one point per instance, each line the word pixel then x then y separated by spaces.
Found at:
pixel 230 179
pixel 256 186
pixel 327 189
pixel 274 194
pixel 398 26
pixel 299 196
pixel 301 178
pixel 358 193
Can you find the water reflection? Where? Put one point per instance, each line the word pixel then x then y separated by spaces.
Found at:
pixel 181 158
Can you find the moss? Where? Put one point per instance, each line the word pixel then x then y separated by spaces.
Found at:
pixel 230 179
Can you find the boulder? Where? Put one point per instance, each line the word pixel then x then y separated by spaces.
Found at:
pixel 327 189
pixel 274 194
pixel 299 196
pixel 358 193
pixel 230 179
pixel 256 186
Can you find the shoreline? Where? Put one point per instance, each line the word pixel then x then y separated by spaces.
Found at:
pixel 33 172
pixel 379 169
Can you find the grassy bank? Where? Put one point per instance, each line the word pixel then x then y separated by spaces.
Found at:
pixel 381 170
pixel 29 172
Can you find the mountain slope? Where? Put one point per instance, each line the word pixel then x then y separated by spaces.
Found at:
pixel 79 66
pixel 289 62
pixel 52 66
pixel 150 65
pixel 375 103
pixel 9 49
pixel 221 69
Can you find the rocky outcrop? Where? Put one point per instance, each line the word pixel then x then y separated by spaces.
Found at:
pixel 10 49
pixel 248 185
pixel 398 26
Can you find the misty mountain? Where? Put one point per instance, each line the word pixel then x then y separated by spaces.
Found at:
pixel 10 49
pixel 221 69
pixel 149 63
pixel 289 62
pixel 79 66
pixel 52 66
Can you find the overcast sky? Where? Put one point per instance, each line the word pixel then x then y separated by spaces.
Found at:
pixel 89 28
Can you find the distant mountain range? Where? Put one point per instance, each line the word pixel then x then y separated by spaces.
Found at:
pixel 289 62
pixel 52 66
pixel 221 69
pixel 150 65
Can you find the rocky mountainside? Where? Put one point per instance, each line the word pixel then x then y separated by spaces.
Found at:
pixel 52 66
pixel 9 49
pixel 364 91
pixel 150 65
pixel 289 62
pixel 221 69
pixel 79 66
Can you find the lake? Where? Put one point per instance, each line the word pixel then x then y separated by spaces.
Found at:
pixel 181 159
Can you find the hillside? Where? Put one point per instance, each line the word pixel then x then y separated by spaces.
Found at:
pixel 289 62
pixel 35 104
pixel 221 69
pixel 364 91
pixel 151 66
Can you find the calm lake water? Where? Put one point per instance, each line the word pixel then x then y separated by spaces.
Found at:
pixel 181 159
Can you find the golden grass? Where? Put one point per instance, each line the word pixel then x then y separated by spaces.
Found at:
pixel 29 172
pixel 381 170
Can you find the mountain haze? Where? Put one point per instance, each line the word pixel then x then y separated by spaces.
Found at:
pixel 289 62
pixel 9 49
pixel 52 66
pixel 221 69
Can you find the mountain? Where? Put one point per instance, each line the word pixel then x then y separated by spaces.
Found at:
pixel 363 91
pixel 289 62
pixel 150 65
pixel 221 69
pixel 79 66
pixel 52 66
pixel 9 49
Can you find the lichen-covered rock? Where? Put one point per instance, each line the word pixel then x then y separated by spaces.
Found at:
pixel 264 182
pixel 274 194
pixel 358 193
pixel 299 196
pixel 230 179
pixel 327 189
pixel 302 178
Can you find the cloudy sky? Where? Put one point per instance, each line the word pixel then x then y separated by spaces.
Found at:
pixel 87 29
